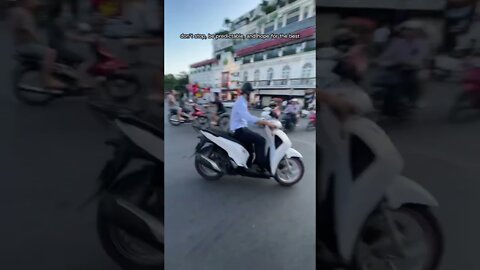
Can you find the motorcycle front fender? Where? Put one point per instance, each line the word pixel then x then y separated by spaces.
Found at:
pixel 405 191
pixel 293 153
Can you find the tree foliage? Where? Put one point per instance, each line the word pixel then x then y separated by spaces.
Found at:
pixel 178 82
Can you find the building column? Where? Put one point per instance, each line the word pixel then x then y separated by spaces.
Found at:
pixel 284 20
pixel 275 23
pixel 300 18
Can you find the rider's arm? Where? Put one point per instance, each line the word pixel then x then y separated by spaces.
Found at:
pixel 245 114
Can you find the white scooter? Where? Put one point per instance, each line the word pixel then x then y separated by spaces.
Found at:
pixel 371 217
pixel 218 153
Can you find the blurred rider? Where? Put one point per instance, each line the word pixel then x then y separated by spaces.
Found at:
pixel 240 118
pixel 28 42
pixel 220 108
pixel 174 104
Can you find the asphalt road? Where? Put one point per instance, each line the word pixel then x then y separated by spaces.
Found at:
pixel 236 222
pixel 443 157
pixel 49 159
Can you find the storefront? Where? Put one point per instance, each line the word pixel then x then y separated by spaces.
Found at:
pixel 267 95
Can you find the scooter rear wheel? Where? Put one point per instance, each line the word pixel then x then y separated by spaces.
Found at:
pixel 205 172
pixel 374 247
pixel 127 250
pixel 173 119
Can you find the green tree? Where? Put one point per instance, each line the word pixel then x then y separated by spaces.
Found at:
pixel 182 81
pixel 227 23
pixel 169 82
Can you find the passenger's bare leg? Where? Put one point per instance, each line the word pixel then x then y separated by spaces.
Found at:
pixel 180 117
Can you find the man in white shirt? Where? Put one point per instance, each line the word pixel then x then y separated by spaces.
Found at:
pixel 239 120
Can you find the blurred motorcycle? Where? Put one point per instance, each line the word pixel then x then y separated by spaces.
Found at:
pixel 371 217
pixel 112 74
pixel 312 121
pixel 198 117
pixel 130 211
pixel 289 121
pixel 469 98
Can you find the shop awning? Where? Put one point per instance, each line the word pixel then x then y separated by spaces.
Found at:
pixel 433 5
pixel 204 63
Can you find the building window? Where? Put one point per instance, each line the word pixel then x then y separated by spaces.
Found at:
pixel 305 12
pixel 306 70
pixel 269 27
pixel 293 16
pixel 280 22
pixel 258 57
pixel 245 76
pixel 285 75
pixel 272 53
pixel 270 74
pixel 247 59
pixel 290 50
pixel 310 45
pixel 256 75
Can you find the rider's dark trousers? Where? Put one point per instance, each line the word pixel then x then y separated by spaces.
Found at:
pixel 248 137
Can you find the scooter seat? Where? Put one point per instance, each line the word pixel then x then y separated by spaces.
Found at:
pixel 223 134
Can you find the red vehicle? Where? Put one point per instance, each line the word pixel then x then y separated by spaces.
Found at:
pixel 469 98
pixel 111 73
pixel 312 121
pixel 198 117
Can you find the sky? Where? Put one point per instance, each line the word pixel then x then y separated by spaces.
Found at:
pixel 196 16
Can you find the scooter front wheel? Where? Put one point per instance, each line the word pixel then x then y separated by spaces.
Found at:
pixel 310 126
pixel 419 237
pixel 173 119
pixel 28 87
pixel 289 171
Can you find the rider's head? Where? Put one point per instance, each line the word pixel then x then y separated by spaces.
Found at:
pixel 217 96
pixel 247 89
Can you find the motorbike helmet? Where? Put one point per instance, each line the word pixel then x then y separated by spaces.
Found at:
pixel 247 88
pixel 272 104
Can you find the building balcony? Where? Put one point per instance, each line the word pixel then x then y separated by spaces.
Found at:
pixel 434 5
pixel 285 83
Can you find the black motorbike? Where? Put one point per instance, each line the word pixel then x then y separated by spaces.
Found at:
pixel 289 121
pixel 391 90
pixel 130 213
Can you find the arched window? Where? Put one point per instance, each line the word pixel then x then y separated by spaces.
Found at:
pixel 270 74
pixel 306 70
pixel 256 75
pixel 285 74
pixel 245 76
